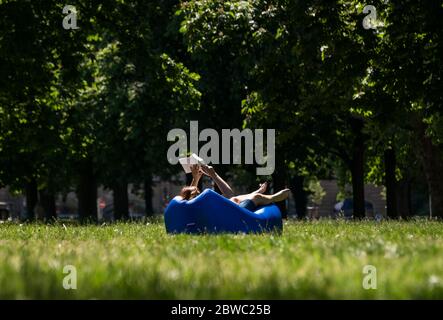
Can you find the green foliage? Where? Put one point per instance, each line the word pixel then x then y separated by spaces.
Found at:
pixel 37 59
pixel 301 62
pixel 316 192
pixel 105 92
pixel 109 92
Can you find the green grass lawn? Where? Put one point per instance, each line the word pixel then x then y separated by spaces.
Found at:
pixel 323 259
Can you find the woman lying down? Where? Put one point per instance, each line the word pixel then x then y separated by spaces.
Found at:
pixel 248 201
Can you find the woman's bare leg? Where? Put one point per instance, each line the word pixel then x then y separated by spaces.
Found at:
pixel 262 199
pixel 241 197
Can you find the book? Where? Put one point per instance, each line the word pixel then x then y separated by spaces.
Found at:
pixel 189 161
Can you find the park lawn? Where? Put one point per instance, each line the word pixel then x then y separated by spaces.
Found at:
pixel 321 259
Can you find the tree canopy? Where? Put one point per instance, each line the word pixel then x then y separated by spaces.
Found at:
pixel 93 105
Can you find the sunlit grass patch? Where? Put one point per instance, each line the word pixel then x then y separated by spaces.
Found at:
pixel 322 259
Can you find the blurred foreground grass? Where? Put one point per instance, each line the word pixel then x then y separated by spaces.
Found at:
pixel 322 259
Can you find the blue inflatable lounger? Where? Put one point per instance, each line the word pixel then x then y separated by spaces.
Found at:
pixel 210 212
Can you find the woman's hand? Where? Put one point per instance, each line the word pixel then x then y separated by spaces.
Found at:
pixel 208 170
pixel 196 172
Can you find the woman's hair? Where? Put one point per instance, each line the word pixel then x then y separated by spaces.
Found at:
pixel 189 192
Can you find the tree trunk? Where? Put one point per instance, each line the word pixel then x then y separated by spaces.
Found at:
pixel 31 198
pixel 357 170
pixel 121 200
pixel 149 211
pixel 433 166
pixel 87 192
pixel 404 202
pixel 300 195
pixel 390 183
pixel 47 200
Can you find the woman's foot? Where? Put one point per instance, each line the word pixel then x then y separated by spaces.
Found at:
pixel 262 188
pixel 281 195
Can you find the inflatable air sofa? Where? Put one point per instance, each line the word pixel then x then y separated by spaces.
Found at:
pixel 210 212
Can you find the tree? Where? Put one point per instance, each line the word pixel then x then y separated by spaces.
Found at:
pixel 304 63
pixel 88 107
pixel 38 59
pixel 408 68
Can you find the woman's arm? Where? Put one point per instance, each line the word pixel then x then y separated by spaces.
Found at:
pixel 196 175
pixel 221 184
